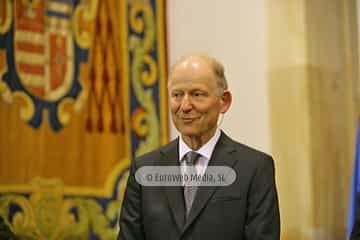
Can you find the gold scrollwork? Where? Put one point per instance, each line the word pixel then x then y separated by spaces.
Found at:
pixel 149 77
pixel 146 24
pixel 83 96
pixel 140 48
pixel 27 108
pixel 5 23
pixel 136 22
pixel 139 124
pixel 47 215
pixel 84 13
pixel 153 139
pixel 62 111
pixel 22 223
pixel 27 111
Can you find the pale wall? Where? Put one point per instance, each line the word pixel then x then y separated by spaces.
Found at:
pixel 234 32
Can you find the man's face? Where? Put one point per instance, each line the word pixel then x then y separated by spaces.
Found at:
pixel 194 106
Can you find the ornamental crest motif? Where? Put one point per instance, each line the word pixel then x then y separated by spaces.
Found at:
pixel 42 44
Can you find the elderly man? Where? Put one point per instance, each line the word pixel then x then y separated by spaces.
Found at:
pixel 247 209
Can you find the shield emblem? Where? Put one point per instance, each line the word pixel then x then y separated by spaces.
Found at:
pixel 43 47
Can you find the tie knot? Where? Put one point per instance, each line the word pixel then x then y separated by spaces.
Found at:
pixel 191 158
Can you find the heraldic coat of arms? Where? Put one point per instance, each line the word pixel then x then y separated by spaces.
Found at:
pixel 42 43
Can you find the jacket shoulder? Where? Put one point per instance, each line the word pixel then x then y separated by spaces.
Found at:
pixel 243 148
pixel 252 151
pixel 149 158
pixel 248 154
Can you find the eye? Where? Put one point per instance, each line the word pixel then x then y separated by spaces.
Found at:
pixel 176 95
pixel 199 94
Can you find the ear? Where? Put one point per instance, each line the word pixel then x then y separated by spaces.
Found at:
pixel 226 100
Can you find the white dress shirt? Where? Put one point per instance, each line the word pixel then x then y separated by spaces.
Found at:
pixel 205 150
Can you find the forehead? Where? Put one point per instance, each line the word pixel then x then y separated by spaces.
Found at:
pixel 192 73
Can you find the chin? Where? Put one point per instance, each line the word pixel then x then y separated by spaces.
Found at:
pixel 188 132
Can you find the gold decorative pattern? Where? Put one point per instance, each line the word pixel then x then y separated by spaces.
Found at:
pixel 48 215
pixel 106 81
pixel 148 78
pixel 5 16
pixel 63 114
pixel 144 23
pixel 28 108
pixel 84 14
pixel 44 59
pixel 85 203
pixel 138 121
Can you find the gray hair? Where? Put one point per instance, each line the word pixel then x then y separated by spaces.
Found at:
pixel 216 66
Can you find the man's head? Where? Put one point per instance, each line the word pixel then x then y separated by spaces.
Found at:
pixel 198 94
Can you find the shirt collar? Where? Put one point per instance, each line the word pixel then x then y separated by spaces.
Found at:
pixel 205 150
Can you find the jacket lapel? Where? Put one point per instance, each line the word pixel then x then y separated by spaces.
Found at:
pixel 174 194
pixel 220 157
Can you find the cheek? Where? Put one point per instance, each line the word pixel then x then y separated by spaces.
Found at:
pixel 209 109
pixel 212 114
pixel 174 107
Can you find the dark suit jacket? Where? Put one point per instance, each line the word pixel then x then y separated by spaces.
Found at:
pixel 246 210
pixel 355 234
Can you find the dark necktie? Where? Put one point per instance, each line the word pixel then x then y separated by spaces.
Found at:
pixel 190 191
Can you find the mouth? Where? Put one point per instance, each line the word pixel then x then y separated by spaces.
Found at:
pixel 189 119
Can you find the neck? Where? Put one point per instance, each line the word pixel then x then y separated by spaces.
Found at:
pixel 195 142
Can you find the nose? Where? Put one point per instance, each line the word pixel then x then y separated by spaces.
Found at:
pixel 186 104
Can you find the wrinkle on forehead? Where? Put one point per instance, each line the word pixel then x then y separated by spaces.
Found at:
pixel 204 83
pixel 192 83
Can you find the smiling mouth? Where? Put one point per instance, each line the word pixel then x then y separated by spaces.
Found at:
pixel 189 120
